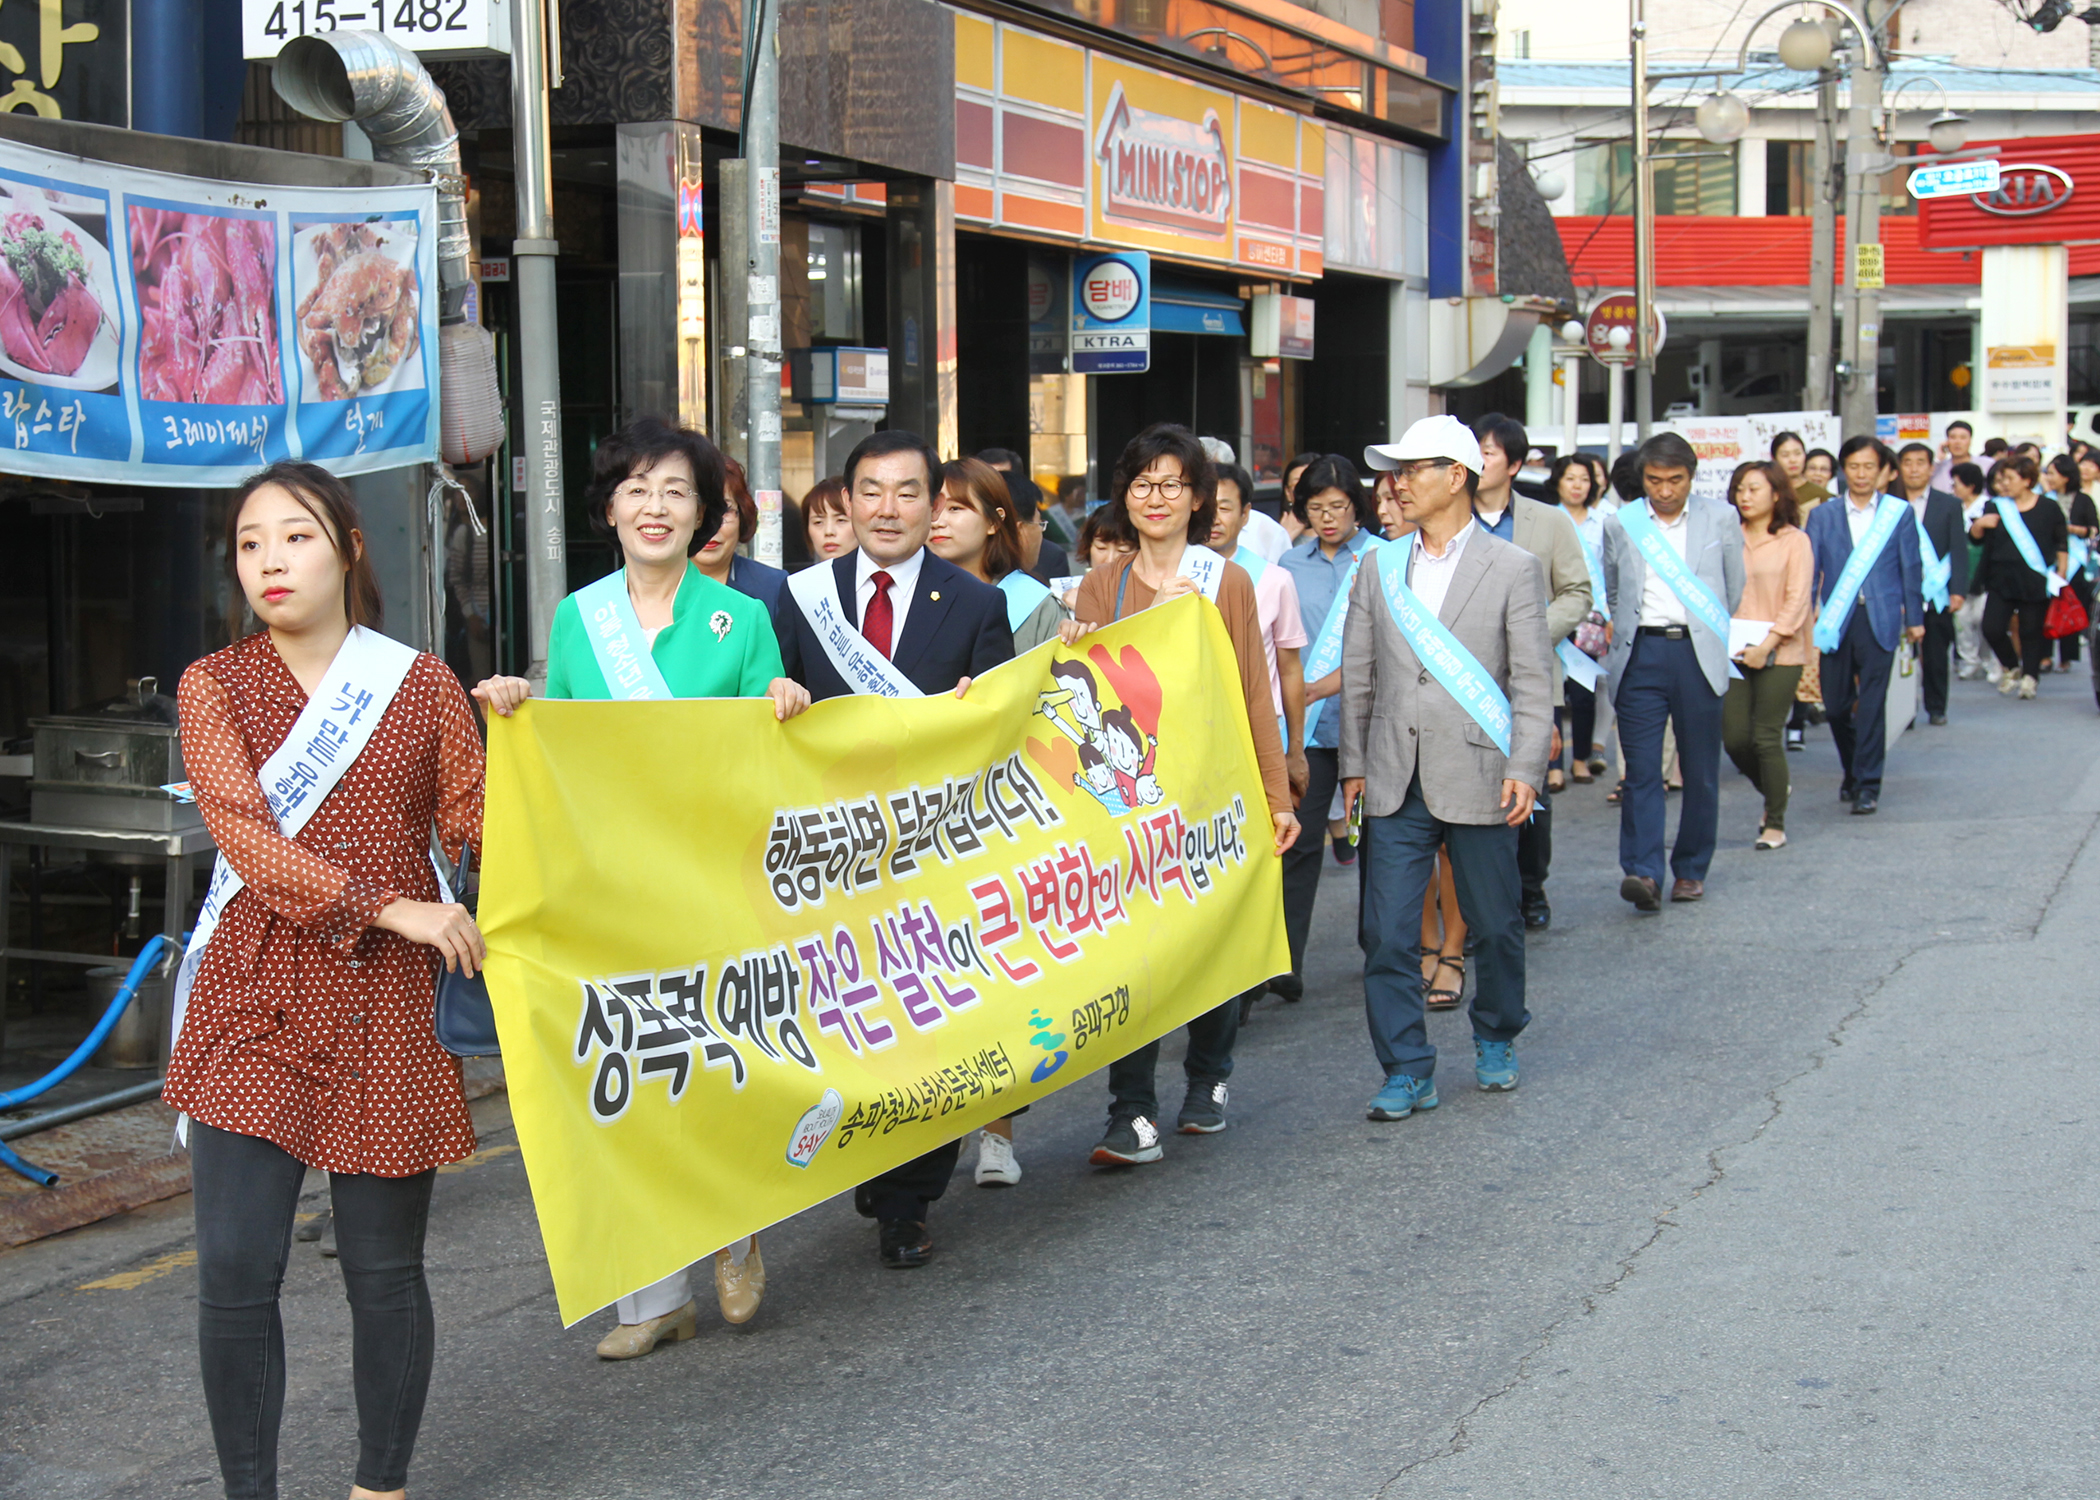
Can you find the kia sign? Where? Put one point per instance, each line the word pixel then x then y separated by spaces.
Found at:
pixel 1954 179
pixel 1618 311
pixel 2025 189
pixel 1112 313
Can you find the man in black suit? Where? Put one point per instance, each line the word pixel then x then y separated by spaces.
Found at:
pixel 938 627
pixel 1939 513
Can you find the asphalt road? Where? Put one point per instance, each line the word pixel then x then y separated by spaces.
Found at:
pixel 1797 1198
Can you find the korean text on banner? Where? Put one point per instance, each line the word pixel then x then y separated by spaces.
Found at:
pixel 726 998
pixel 167 330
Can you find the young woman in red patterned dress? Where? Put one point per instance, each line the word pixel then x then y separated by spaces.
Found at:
pixel 307 1039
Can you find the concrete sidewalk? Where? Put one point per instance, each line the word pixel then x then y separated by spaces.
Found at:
pixel 1889 1288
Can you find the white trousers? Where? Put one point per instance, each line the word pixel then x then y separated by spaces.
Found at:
pixel 1968 633
pixel 658 1298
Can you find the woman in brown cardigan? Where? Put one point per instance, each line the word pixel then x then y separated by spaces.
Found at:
pixel 1164 499
pixel 1778 570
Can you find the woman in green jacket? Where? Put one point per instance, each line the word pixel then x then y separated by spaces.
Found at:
pixel 660 628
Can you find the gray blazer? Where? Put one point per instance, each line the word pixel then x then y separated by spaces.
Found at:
pixel 1398 722
pixel 1548 534
pixel 1713 545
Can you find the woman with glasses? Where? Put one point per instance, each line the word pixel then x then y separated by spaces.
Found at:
pixel 1165 500
pixel 1330 502
pixel 662 629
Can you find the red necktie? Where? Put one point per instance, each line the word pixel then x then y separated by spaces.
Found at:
pixel 876 623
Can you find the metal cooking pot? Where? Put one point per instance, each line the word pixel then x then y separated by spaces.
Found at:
pixel 103 766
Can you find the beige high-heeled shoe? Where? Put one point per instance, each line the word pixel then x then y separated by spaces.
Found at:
pixel 633 1340
pixel 740 1288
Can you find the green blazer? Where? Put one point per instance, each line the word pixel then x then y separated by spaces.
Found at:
pixel 694 662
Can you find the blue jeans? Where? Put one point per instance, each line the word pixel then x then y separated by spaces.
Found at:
pixel 1663 684
pixel 246 1195
pixel 1398 858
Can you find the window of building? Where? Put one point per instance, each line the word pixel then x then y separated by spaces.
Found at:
pixel 1788 184
pixel 1691 177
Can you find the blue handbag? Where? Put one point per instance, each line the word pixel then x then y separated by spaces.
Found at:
pixel 464 1019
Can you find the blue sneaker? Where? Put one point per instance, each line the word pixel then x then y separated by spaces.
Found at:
pixel 1402 1096
pixel 1495 1065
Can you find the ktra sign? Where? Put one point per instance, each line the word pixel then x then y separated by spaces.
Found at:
pixel 1162 172
pixel 2048 193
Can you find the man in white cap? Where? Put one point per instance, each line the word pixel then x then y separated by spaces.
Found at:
pixel 1447 713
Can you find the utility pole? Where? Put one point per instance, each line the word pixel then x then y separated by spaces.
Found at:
pixel 1822 243
pixel 539 364
pixel 762 350
pixel 1643 233
pixel 1863 168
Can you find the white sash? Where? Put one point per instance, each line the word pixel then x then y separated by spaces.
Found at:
pixel 1024 593
pixel 1065 585
pixel 864 669
pixel 615 632
pixel 326 739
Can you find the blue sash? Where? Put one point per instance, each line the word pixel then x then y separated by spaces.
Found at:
pixel 1699 600
pixel 1600 599
pixel 1327 645
pixel 1939 571
pixel 1023 594
pixel 2016 527
pixel 1252 561
pixel 1578 667
pixel 2081 555
pixel 616 638
pixel 1836 613
pixel 1446 657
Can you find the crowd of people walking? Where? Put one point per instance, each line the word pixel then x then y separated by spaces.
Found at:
pixel 1425 661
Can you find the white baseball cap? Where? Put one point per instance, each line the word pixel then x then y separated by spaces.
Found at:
pixel 1432 437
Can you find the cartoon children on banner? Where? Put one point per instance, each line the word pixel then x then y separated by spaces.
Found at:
pixel 1116 746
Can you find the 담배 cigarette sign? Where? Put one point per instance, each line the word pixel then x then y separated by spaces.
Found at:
pixel 166 330
pixel 1112 313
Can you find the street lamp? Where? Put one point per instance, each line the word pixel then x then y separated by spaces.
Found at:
pixel 1722 118
pixel 1948 131
pixel 1805 46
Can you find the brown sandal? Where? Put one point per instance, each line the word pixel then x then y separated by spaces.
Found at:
pixel 1443 999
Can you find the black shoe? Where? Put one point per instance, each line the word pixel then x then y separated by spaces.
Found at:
pixel 1847 791
pixel 1867 802
pixel 1130 1141
pixel 1344 852
pixel 1538 916
pixel 312 1229
pixel 1203 1111
pixel 1287 987
pixel 1936 719
pixel 905 1245
pixel 1795 739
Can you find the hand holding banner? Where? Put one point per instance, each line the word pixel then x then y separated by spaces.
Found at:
pixel 730 988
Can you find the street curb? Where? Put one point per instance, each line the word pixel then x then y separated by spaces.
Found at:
pixel 99 1197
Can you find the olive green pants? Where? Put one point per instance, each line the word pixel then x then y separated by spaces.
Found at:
pixel 1753 730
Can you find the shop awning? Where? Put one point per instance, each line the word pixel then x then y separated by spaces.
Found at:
pixel 1187 307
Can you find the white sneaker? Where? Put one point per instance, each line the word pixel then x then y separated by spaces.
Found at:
pixel 2028 686
pixel 2010 683
pixel 996 1166
pixel 1994 675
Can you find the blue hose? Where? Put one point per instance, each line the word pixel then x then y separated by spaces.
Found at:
pixel 15 1098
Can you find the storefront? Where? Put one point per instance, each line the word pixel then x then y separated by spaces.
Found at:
pixel 1062 148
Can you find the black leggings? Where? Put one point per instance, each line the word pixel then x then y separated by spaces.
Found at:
pixel 246 1194
pixel 1998 614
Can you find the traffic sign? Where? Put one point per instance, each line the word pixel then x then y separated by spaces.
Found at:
pixel 1618 311
pixel 1954 179
pixel 1112 313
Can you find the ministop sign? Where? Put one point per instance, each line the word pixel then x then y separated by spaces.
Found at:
pixel 1112 313
pixel 1954 179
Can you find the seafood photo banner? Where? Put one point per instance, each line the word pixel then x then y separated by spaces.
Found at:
pixel 732 983
pixel 165 330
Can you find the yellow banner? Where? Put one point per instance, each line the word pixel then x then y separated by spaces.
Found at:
pixel 739 967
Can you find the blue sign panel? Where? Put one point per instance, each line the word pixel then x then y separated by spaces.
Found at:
pixel 1112 313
